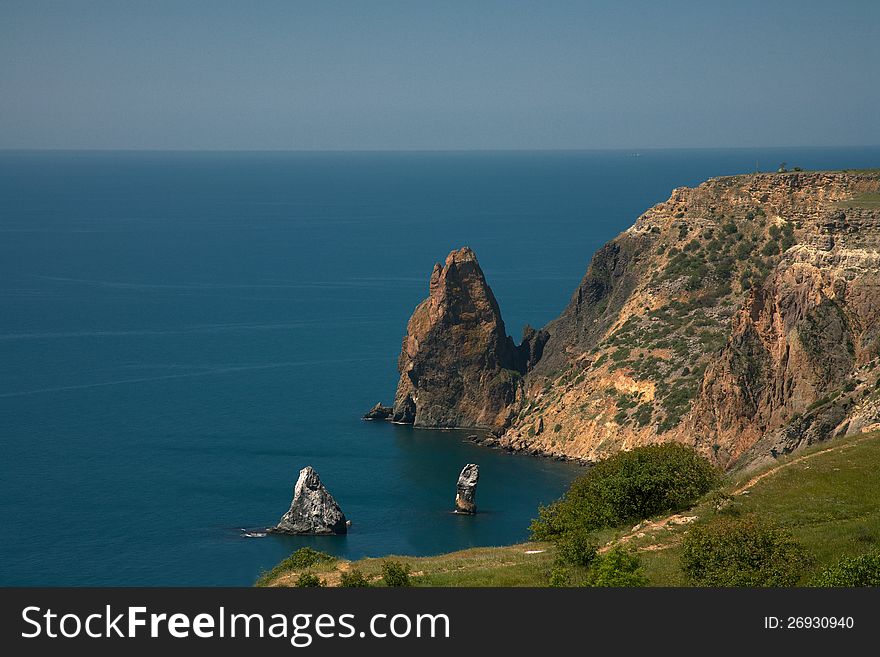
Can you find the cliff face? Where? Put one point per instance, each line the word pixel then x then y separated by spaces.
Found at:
pixel 801 363
pixel 727 317
pixel 458 367
pixel 741 316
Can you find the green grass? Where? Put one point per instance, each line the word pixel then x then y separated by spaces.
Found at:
pixel 491 566
pixel 826 496
pixel 830 502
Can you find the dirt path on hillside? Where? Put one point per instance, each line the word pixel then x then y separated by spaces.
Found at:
pixel 806 457
pixel 646 526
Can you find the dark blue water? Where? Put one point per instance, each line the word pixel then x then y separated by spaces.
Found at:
pixel 180 333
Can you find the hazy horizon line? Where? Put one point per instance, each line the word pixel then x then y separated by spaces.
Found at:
pixel 427 150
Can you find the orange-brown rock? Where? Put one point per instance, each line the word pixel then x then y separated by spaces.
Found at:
pixel 458 367
pixel 741 316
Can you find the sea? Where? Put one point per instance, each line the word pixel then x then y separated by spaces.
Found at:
pixel 182 332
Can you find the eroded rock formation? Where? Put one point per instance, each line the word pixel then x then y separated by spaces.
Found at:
pixel 466 489
pixel 458 367
pixel 379 412
pixel 313 509
pixel 800 353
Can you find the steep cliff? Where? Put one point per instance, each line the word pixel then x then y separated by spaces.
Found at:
pixel 741 316
pixel 458 367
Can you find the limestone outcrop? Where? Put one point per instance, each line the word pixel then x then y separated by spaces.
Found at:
pixel 466 489
pixel 313 509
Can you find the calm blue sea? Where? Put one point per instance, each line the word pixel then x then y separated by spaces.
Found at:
pixel 180 333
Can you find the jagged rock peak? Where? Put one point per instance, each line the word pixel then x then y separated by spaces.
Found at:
pixel 313 509
pixel 466 489
pixel 459 287
pixel 458 367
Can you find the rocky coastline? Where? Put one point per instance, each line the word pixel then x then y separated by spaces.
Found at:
pixel 739 317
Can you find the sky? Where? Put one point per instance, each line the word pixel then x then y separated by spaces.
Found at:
pixel 438 74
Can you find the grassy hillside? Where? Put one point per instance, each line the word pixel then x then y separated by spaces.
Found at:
pixel 826 496
pixel 525 564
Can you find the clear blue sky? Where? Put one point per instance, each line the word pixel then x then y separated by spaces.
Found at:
pixel 438 74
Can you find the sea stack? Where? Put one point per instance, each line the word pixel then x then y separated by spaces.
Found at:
pixel 466 489
pixel 458 367
pixel 313 509
pixel 379 412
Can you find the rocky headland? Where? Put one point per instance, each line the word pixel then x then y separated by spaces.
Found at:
pixel 741 316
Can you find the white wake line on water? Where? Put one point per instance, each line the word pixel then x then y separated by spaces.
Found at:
pixel 210 372
pixel 218 328
pixel 201 328
pixel 203 287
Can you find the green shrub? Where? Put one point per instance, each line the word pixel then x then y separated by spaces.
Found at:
pixel 643 414
pixel 743 251
pixel 303 558
pixel 621 354
pixel 617 567
pixel 628 486
pixel 306 557
pixel 851 571
pixel 770 248
pixel 353 579
pixel 742 552
pixel 559 576
pixel 576 548
pixel 308 580
pixel 395 573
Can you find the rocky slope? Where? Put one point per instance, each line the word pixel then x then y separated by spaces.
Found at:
pixel 741 316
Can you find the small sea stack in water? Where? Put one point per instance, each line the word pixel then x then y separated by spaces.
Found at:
pixel 466 489
pixel 313 509
pixel 379 412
